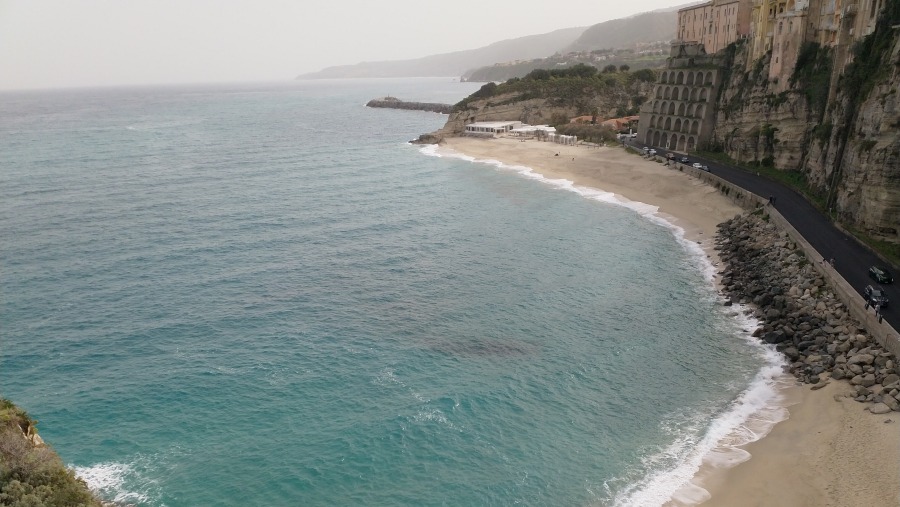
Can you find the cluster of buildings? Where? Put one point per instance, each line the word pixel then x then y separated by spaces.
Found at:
pixel 779 26
pixel 514 128
pixel 681 112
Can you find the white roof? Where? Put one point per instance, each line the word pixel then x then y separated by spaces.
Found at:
pixel 534 128
pixel 492 124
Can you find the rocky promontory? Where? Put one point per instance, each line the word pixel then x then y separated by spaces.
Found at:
pixel 395 103
pixel 800 314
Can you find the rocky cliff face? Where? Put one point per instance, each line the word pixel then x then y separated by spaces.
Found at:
pixel 835 119
pixel 542 111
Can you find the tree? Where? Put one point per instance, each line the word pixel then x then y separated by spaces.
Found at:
pixel 624 68
pixel 610 69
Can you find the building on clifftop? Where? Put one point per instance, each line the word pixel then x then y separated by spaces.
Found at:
pixel 715 24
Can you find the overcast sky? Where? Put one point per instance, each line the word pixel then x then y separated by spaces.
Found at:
pixel 64 43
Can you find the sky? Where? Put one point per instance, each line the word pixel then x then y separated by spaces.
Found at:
pixel 74 43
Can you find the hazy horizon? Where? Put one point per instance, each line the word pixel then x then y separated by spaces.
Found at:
pixel 64 44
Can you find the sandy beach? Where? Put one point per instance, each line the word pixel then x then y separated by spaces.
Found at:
pixel 830 451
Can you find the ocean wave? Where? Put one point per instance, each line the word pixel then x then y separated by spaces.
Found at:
pixel 676 474
pixel 112 481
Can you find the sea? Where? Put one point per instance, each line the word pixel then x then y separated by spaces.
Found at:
pixel 263 294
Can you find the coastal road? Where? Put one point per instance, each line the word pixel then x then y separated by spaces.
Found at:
pixel 851 259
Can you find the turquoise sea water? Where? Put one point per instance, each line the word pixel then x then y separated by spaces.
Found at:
pixel 261 294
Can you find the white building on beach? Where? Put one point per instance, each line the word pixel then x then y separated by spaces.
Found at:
pixel 491 128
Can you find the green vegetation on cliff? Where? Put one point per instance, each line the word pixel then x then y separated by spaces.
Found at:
pixel 33 475
pixel 573 86
pixel 812 74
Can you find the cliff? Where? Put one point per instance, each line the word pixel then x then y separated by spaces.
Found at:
pixel 834 119
pixel 30 472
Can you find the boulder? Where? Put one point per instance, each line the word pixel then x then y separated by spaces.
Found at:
pixel 879 408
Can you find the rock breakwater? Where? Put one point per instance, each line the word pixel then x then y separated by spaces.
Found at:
pixel 395 103
pixel 800 314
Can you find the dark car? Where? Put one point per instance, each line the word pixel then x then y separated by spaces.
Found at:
pixel 684 160
pixel 875 296
pixel 880 274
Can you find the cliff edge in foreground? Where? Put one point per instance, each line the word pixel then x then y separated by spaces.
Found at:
pixel 31 473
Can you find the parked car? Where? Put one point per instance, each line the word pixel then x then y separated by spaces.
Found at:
pixel 684 160
pixel 880 274
pixel 698 165
pixel 875 296
pixel 652 152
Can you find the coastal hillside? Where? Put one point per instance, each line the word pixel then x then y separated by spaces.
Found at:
pixel 514 57
pixel 458 62
pixel 833 120
pixel 627 32
pixel 640 42
pixel 551 97
pixel 31 474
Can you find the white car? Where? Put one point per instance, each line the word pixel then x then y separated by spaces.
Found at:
pixel 698 165
pixel 652 152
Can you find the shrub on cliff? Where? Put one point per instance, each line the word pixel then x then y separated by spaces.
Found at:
pixel 33 475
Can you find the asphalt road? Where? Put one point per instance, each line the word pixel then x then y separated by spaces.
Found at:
pixel 851 259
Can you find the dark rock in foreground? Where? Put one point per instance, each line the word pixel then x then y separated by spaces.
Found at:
pixel 395 103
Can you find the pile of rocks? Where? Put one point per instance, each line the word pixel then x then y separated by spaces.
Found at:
pixel 800 315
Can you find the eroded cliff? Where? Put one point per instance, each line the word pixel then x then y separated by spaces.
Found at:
pixel 835 119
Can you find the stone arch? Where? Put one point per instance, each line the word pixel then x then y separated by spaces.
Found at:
pixel 668 125
pixel 709 78
pixel 656 138
pixel 701 111
pixel 672 143
pixel 671 108
pixel 677 127
pixel 682 109
pixel 695 127
pixel 680 78
pixel 703 95
pixel 690 79
pixel 691 143
pixel 663 78
pixel 695 94
pixel 659 92
pixel 681 144
pixel 663 107
pixel 668 93
pixel 687 127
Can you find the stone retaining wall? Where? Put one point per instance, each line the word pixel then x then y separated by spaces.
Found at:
pixel 884 333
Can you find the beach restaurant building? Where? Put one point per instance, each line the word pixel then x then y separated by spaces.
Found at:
pixel 491 128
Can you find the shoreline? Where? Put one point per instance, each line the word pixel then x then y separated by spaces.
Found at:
pixel 647 187
pixel 793 462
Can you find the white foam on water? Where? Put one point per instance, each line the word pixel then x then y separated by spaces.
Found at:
pixel 109 481
pixel 648 211
pixel 748 418
pixel 672 474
